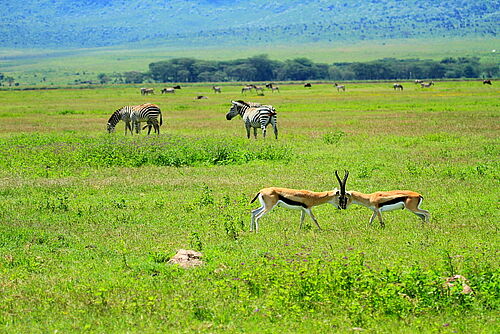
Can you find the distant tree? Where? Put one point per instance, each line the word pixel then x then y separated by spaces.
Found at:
pixel 134 77
pixel 10 80
pixel 103 78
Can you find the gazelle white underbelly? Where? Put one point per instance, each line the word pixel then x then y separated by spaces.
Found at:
pixel 390 207
pixel 289 206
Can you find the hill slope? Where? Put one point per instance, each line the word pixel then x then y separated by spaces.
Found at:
pixel 94 23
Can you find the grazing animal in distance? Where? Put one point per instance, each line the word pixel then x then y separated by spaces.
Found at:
pixel 258 89
pixel 308 85
pixel 303 200
pixel 397 86
pixel 340 87
pixel 272 87
pixel 381 201
pixel 246 89
pixel 147 91
pixel 216 89
pixel 426 85
pixel 168 91
pixel 177 87
pixel 254 117
pixel 201 97
pixel 486 82
pixel 418 81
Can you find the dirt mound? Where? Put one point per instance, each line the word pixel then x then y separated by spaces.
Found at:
pixel 187 258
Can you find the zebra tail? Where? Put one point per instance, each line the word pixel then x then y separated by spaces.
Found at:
pixel 255 197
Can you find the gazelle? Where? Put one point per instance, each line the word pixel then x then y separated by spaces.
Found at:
pixel 294 199
pixel 381 201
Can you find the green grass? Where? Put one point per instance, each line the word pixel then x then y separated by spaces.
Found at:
pixel 58 67
pixel 88 220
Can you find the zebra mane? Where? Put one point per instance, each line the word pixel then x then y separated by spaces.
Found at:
pixel 243 102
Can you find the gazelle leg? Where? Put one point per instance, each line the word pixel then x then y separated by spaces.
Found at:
pixel 302 215
pixel 382 224
pixel 423 214
pixel 373 217
pixel 309 212
pixel 259 216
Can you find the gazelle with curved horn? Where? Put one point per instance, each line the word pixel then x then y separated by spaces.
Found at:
pixel 381 201
pixel 294 199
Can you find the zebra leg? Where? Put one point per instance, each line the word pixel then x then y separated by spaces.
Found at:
pixel 263 127
pixel 275 126
pixel 255 133
pixel 247 126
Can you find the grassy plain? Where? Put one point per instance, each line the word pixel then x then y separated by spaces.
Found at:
pixel 88 220
pixel 30 66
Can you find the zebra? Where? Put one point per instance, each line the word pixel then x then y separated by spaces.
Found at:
pixel 426 85
pixel 147 91
pixel 308 85
pixel 254 115
pixel 339 87
pixel 487 82
pixel 216 89
pixel 419 82
pixel 397 86
pixel 149 113
pixel 135 115
pixel 122 114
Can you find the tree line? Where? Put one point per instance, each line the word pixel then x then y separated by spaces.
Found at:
pixel 261 68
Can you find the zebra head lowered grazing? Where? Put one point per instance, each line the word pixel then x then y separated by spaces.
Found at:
pixel 254 116
pixel 122 114
pixel 135 115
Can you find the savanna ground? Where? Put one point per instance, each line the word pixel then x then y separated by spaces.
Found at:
pixel 88 220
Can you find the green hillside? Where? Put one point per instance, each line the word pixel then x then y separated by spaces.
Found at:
pixel 94 23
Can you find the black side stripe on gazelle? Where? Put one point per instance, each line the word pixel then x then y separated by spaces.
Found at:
pixel 291 201
pixel 394 201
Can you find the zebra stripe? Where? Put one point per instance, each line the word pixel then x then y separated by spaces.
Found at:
pixel 134 115
pixel 146 113
pixel 254 115
pixel 122 114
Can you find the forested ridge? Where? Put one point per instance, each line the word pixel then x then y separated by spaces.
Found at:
pixel 94 23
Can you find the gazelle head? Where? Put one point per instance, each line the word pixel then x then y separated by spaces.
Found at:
pixel 235 109
pixel 343 196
